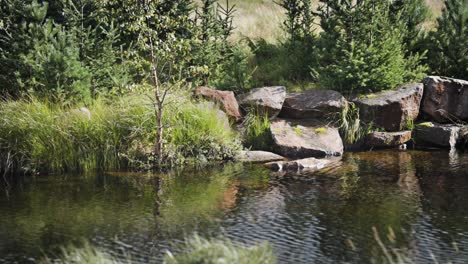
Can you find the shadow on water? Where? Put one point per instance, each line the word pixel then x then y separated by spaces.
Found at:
pixel 416 200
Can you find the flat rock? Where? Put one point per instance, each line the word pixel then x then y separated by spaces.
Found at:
pixel 225 99
pixel 312 104
pixel 258 156
pixel 308 164
pixel 305 138
pixel 392 110
pixel 436 135
pixel 387 139
pixel 266 101
pixel 445 99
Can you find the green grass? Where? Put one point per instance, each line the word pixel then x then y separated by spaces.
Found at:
pixel 197 250
pixel 37 136
pixel 257 134
pixel 221 251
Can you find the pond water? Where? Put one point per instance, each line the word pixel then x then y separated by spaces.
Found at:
pixel 418 202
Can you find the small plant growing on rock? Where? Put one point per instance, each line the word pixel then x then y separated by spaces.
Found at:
pixel 321 130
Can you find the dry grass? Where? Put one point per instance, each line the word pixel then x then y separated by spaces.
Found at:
pixel 263 18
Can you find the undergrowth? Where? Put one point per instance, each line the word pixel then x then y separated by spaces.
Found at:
pixel 37 136
pixel 257 135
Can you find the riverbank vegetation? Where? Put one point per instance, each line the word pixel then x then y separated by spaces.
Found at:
pixel 106 84
pixel 196 250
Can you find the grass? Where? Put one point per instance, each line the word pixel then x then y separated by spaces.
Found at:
pixel 425 124
pixel 37 136
pixel 350 125
pixel 197 250
pixel 222 251
pixel 257 134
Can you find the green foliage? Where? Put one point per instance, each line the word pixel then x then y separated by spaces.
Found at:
pixel 299 18
pixel 199 133
pixel 257 133
pixel 361 47
pixel 40 137
pixel 222 251
pixel 448 45
pixel 349 124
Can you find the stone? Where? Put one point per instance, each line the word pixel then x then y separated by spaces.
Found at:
pixel 258 156
pixel 308 164
pixel 436 135
pixel 83 112
pixel 392 110
pixel 445 99
pixel 312 104
pixel 266 101
pixel 305 138
pixel 463 138
pixel 225 99
pixel 387 139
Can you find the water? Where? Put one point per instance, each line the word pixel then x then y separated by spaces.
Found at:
pixel 418 202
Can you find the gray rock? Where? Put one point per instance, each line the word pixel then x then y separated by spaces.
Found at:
pixel 445 99
pixel 392 110
pixel 463 138
pixel 258 156
pixel 312 104
pixel 308 164
pixel 266 101
pixel 436 135
pixel 387 139
pixel 305 138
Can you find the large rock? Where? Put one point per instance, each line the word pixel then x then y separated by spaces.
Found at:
pixel 463 138
pixel 225 99
pixel 305 138
pixel 436 135
pixel 312 104
pixel 258 156
pixel 308 164
pixel 266 101
pixel 392 110
pixel 445 99
pixel 387 139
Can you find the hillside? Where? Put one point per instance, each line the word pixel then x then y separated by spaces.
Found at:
pixel 263 18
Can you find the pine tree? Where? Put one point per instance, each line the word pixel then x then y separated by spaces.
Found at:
pixel 448 45
pixel 362 47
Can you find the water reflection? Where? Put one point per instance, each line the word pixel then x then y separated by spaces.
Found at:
pixel 417 201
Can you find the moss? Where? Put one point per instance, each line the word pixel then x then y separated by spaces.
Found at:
pixel 297 131
pixel 321 130
pixel 425 124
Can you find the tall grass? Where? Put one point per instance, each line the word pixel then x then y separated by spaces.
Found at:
pixel 36 136
pixel 349 124
pixel 197 250
pixel 257 134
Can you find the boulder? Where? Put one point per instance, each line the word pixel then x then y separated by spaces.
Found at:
pixel 266 101
pixel 225 99
pixel 312 104
pixel 463 138
pixel 305 138
pixel 392 110
pixel 258 156
pixel 387 139
pixel 436 135
pixel 308 164
pixel 445 99
pixel 82 112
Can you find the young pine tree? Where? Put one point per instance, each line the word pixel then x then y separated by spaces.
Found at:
pixel 362 47
pixel 448 45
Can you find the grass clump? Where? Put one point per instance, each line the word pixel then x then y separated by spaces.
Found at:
pixel 257 133
pixel 37 136
pixel 349 124
pixel 201 250
pixel 86 254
